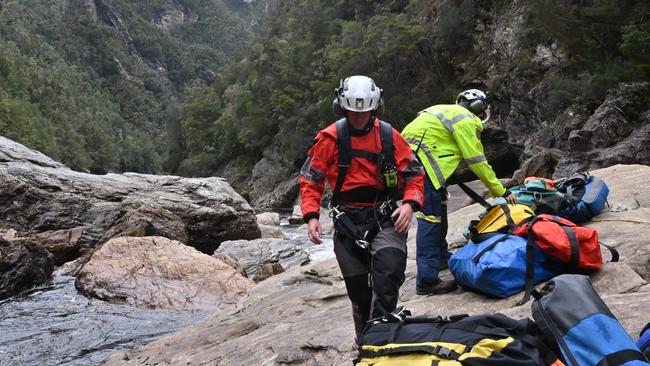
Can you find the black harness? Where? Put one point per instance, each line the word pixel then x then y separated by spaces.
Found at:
pixel 385 160
pixel 349 222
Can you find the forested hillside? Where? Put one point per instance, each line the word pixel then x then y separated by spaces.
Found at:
pixel 269 104
pixel 97 84
pixel 238 88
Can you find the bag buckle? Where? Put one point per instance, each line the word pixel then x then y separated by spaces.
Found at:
pixel 442 352
pixel 362 243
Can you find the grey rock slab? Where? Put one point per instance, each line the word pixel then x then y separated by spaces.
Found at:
pixel 253 254
pixel 38 194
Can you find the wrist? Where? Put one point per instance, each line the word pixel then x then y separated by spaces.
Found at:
pixel 310 215
pixel 414 205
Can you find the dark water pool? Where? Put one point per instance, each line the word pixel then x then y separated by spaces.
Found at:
pixel 54 325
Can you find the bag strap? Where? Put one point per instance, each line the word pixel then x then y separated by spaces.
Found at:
pixel 345 156
pixel 573 241
pixel 478 256
pixel 470 192
pixel 530 261
pixel 612 251
pixel 387 159
pixel 622 357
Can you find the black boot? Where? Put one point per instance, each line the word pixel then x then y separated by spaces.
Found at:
pixel 441 287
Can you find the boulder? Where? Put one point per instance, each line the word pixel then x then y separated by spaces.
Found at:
pixel 147 220
pixel 38 194
pixel 269 175
pixel 268 218
pixel 254 254
pixel 23 264
pixel 541 164
pixel 268 231
pixel 283 194
pixel 155 272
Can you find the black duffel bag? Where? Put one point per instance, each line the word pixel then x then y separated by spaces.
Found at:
pixel 483 340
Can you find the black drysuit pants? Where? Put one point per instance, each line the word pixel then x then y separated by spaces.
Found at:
pixel 374 275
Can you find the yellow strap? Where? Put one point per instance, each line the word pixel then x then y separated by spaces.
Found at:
pixel 422 216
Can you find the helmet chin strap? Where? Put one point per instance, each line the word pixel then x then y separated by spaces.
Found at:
pixel 487 117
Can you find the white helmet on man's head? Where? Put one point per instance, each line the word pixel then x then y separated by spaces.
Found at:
pixel 358 94
pixel 474 100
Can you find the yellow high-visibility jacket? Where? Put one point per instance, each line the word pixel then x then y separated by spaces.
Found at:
pixel 444 135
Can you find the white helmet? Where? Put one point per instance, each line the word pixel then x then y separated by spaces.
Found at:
pixel 474 100
pixel 358 94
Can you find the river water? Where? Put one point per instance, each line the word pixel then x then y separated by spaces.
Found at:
pixel 53 324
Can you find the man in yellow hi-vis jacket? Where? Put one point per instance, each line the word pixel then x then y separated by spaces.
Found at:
pixel 442 136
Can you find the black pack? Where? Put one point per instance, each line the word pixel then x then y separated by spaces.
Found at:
pixel 482 340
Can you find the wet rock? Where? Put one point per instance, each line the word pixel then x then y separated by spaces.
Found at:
pixel 38 194
pixel 23 264
pixel 63 244
pixel 267 174
pixel 155 272
pixel 254 254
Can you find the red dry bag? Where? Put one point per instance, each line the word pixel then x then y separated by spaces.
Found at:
pixel 563 240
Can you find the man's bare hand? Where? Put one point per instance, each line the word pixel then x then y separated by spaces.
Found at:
pixel 402 217
pixel 315 231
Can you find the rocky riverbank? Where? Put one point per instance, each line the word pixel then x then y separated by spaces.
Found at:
pixel 303 317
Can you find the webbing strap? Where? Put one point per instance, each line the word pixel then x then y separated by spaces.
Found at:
pixel 621 357
pixel 366 155
pixel 440 351
pixel 472 194
pixel 612 250
pixel 345 156
pixel 574 246
pixel 506 211
pixel 478 256
pixel 530 263
pixel 430 218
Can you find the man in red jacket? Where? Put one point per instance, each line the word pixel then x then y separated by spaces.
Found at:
pixel 366 163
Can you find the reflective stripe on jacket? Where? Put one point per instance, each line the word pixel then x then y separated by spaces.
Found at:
pixel 445 135
pixel 363 175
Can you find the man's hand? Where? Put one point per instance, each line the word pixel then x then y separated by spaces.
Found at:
pixel 315 231
pixel 404 215
pixel 510 197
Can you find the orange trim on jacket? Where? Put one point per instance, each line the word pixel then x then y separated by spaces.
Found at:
pixel 322 163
